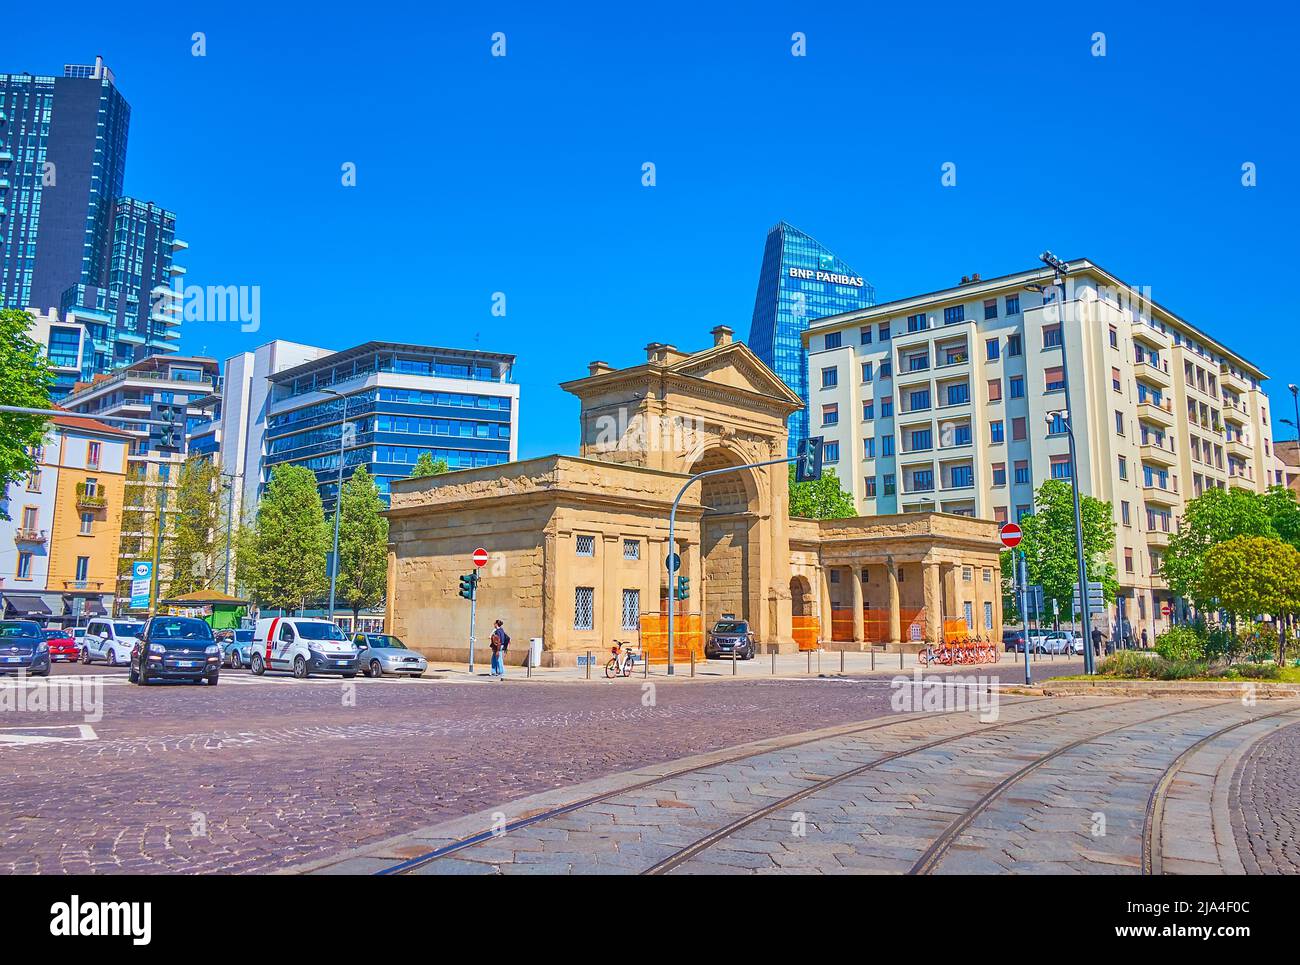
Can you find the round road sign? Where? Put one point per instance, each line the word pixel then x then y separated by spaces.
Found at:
pixel 1010 534
pixel 480 557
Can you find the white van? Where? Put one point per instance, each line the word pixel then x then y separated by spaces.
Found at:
pixel 301 646
pixel 110 641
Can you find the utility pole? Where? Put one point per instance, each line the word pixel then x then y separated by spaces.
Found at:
pixel 230 517
pixel 338 497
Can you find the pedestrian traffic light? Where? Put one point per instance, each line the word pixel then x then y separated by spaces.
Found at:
pixel 468 585
pixel 808 466
pixel 683 591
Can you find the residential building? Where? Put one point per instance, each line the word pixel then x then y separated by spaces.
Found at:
pixel 285 403
pixel 1286 465
pixel 799 280
pixel 59 549
pixel 954 409
pixel 70 241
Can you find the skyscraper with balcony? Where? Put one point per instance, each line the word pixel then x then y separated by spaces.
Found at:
pixel 799 280
pixel 70 241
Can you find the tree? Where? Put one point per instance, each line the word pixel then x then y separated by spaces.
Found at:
pixel 820 499
pixel 426 465
pixel 1049 547
pixel 25 378
pixel 282 559
pixel 1284 514
pixel 196 549
pixel 1254 575
pixel 363 544
pixel 1214 517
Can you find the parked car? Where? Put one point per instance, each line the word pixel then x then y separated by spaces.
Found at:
pixel 23 648
pixel 1014 640
pixel 110 641
pixel 235 647
pixel 731 638
pixel 1064 642
pixel 175 648
pixel 63 646
pixel 302 646
pixel 381 653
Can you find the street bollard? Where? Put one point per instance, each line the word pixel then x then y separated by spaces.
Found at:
pixel 528 664
pixel 873 658
pixel 588 664
pixel 841 661
pixel 773 663
pixel 645 667
pixel 900 658
pixel 692 663
pixel 819 662
pixel 734 663
pixel 810 661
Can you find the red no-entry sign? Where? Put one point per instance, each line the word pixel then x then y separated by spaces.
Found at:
pixel 1167 610
pixel 1011 535
pixel 480 557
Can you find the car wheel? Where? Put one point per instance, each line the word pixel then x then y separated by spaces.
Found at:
pixel 375 670
pixel 144 676
pixel 112 658
pixel 300 668
pixel 131 674
pixel 212 680
pixel 236 662
pixel 348 676
pixel 85 656
pixel 255 664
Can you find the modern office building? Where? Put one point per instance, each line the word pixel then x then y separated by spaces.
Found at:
pixel 141 390
pixel 70 241
pixel 286 403
pixel 59 547
pixel 800 280
pixel 948 401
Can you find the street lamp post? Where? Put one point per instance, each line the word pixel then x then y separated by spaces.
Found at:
pixel 230 516
pixel 1295 397
pixel 338 498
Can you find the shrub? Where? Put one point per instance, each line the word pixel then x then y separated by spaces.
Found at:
pixel 1182 643
pixel 1131 663
pixel 1222 644
pixel 1253 671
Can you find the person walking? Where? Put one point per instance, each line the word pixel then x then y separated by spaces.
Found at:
pixel 500 644
pixel 1144 638
pixel 1096 642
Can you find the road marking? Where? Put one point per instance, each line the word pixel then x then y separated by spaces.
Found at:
pixel 83 732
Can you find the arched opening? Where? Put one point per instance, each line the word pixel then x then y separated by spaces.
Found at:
pixel 801 598
pixel 729 560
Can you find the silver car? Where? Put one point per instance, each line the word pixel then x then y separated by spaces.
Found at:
pixel 381 653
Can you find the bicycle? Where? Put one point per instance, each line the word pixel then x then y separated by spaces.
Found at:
pixel 623 661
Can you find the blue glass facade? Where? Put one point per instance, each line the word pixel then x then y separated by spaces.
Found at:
pixel 799 280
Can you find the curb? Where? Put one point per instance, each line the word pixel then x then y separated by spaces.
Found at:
pixel 1220 689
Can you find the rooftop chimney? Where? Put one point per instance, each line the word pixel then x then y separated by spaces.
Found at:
pixel 721 335
pixel 598 368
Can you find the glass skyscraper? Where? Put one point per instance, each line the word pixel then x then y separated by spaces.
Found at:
pixel 69 240
pixel 800 280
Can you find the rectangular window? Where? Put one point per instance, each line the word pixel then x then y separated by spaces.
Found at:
pixel 1052 336
pixel 886 406
pixel 958 394
pixel 1016 384
pixel 992 349
pixel 1013 345
pixel 830 377
pixel 1114 337
pixel 1115 382
pixel 961 435
pixel 916 323
pixel 1022 512
pixel 868 410
pixel 831 452
pixel 1123 468
pixel 868 448
pixel 968 574
pixel 866 374
pixel 1128 560
pixel 963 476
pixel 988 613
pixel 30 516
pixel 999 514
pixel 1013 306
pixel 831 414
pixel 954 314
pixel 34 481
pixel 882 332
pixel 864 334
pixel 990 308
pixel 92 454
pixel 1060 467
pixel 24 565
pixel 870 488
pixel 87 523
pixel 921 439
pixel 995 390
pixel 1119 422
pixel 632 609
pixel 586 546
pixel 918 399
pixel 995 431
pixel 631 549
pixel 1022 471
pixel 1053 379
pixel 1125 514
pixel 832 340
pixel 886 369
pixel 999 474
pixel 922 480
pixel 886 445
pixel 1018 429
pixel 584 598
pixel 888 482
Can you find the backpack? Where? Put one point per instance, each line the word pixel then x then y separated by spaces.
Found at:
pixel 505 638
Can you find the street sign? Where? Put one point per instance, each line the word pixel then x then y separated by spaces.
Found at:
pixel 1011 535
pixel 141 577
pixel 674 562
pixel 480 557
pixel 1167 610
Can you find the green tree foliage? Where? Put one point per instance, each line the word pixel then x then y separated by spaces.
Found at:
pixel 197 546
pixel 1214 517
pixel 1284 514
pixel 282 557
pixel 25 379
pixel 1048 544
pixel 426 465
pixel 820 499
pixel 1250 576
pixel 363 544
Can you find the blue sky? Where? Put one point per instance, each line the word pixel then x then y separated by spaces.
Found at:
pixel 522 174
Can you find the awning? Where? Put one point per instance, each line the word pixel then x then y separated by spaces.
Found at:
pixel 26 605
pixel 94 608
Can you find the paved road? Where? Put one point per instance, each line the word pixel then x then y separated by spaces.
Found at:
pixel 260 773
pixel 1266 804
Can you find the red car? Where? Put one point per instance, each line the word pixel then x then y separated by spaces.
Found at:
pixel 63 646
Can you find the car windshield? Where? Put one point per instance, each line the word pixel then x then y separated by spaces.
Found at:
pixel 319 631
pixel 383 641
pixel 55 634
pixel 168 629
pixel 19 628
pixel 244 636
pixel 731 628
pixel 128 629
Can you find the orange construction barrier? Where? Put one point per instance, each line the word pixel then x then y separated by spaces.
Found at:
pixel 806 632
pixel 688 636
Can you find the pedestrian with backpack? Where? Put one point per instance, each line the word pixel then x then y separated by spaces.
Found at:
pixel 500 644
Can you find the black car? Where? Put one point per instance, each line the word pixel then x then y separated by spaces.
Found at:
pixel 23 648
pixel 731 638
pixel 175 648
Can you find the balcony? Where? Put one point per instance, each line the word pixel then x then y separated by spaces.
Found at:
pixel 23 535
pixel 1157 537
pixel 1158 412
pixel 92 586
pixel 1160 341
pixel 1153 370
pixel 1154 450
pixel 88 500
pixel 1230 380
pixel 1161 495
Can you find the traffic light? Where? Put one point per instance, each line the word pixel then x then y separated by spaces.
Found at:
pixel 468 585
pixel 167 435
pixel 683 591
pixel 808 466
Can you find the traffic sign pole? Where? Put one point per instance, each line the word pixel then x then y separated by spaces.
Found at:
pixel 1024 611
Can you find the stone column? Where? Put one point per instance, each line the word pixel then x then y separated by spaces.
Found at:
pixel 859 625
pixel 933 601
pixel 824 614
pixel 895 611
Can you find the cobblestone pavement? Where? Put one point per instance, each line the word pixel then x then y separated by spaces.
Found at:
pixel 1265 803
pixel 1052 786
pixel 260 773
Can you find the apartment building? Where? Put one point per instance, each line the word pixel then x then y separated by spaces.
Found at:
pixel 59 548
pixel 952 401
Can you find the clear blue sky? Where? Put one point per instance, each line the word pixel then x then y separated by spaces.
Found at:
pixel 478 174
